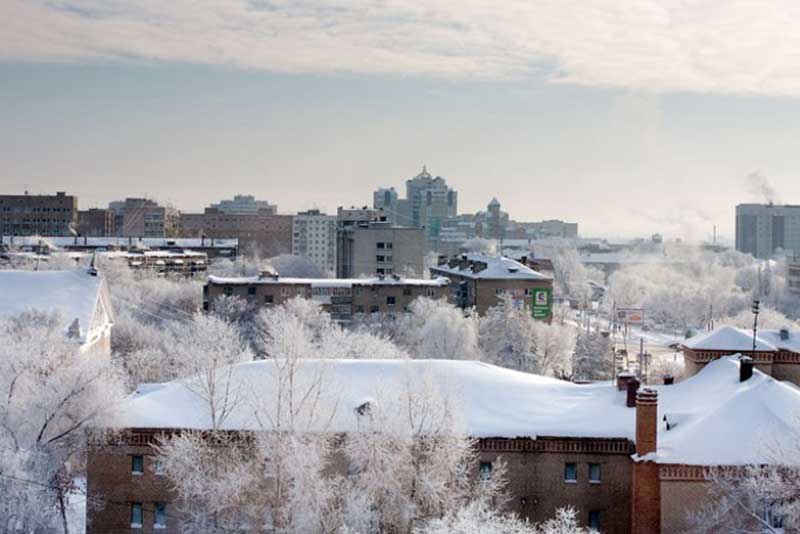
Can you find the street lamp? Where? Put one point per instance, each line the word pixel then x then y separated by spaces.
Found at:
pixel 756 306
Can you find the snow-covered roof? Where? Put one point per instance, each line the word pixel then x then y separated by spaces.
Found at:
pixel 728 339
pixel 497 268
pixel 73 294
pixel 152 242
pixel 330 282
pixel 720 421
pixel 792 343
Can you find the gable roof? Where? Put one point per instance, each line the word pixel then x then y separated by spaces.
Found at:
pixel 728 339
pixel 497 268
pixel 715 419
pixel 73 294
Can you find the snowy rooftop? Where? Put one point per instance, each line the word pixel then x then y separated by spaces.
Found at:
pixel 719 419
pixel 330 282
pixel 153 242
pixel 73 294
pixel 497 267
pixel 732 339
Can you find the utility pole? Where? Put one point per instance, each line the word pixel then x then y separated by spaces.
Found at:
pixel 756 309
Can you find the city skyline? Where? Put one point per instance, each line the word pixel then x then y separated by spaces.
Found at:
pixel 648 132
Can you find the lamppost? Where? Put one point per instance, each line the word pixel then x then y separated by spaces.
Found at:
pixel 756 305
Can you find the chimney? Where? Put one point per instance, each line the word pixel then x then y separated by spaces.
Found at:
pixel 646 421
pixel 784 333
pixel 631 387
pixel 745 368
pixel 524 260
pixel 622 380
pixel 441 260
pixel 669 380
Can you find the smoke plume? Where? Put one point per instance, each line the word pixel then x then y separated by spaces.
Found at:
pixel 759 186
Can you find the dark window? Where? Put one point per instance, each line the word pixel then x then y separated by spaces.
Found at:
pixel 594 519
pixel 406 291
pixel 137 465
pixel 160 518
pixel 268 299
pixel 228 291
pixel 380 245
pixel 390 300
pixel 594 473
pixel 359 309
pixel 251 291
pixel 136 515
pixel 378 258
pixel 374 309
pixel 485 469
pixel 570 473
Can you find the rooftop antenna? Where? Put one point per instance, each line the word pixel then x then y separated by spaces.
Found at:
pixel 715 234
pixel 756 309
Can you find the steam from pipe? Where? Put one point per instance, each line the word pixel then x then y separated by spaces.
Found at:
pixel 758 185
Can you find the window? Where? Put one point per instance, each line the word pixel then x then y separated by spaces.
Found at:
pixel 285 291
pixel 160 519
pixel 485 470
pixel 251 291
pixel 379 258
pixel 570 473
pixel 159 467
pixel 379 245
pixel 773 516
pixel 136 515
pixel 594 473
pixel 390 300
pixel 430 292
pixel 594 519
pixel 227 291
pixel 268 299
pixel 359 309
pixel 406 291
pixel 374 309
pixel 137 465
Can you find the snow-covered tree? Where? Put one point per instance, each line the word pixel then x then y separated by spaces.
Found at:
pixel 767 318
pixel 507 337
pixel 478 519
pixel 52 396
pixel 593 357
pixel 437 329
pixel 554 345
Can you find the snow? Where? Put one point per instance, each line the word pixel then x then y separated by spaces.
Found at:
pixel 73 294
pixel 774 337
pixel 497 268
pixel 714 418
pixel 157 242
pixel 728 339
pixel 330 282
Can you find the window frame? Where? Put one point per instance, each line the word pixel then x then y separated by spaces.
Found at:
pixel 137 458
pixel 137 507
pixel 574 469
pixel 599 478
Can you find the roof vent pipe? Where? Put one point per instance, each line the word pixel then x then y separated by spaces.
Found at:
pixel 669 380
pixel 745 368
pixel 784 333
pixel 632 388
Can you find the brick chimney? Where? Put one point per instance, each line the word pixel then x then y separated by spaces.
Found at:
pixel 646 421
pixel 646 487
pixel 623 378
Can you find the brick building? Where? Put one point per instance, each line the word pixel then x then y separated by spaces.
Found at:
pixel 142 217
pixel 341 297
pixel 777 352
pixel 26 214
pixel 481 281
pixel 629 461
pixel 96 222
pixel 264 233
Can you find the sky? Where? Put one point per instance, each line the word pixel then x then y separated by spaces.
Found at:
pixel 628 117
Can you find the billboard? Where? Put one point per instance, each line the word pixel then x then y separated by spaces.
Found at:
pixel 630 315
pixel 542 303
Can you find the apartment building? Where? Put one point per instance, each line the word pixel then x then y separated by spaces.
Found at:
pixel 481 281
pixel 22 215
pixel 245 205
pixel 793 273
pixel 314 238
pixel 379 248
pixel 631 460
pixel 766 229
pixel 96 222
pixel 143 217
pixel 342 298
pixel 263 233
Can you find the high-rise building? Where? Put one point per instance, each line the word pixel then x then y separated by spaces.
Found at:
pixel 314 238
pixel 142 217
pixel 52 215
pixel 379 248
pixel 96 222
pixel 764 229
pixel 245 204
pixel 793 273
pixel 429 201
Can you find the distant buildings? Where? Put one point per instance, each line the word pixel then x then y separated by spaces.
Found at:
pixel 764 229
pixel 429 202
pixel 142 217
pixel 244 205
pixel 96 222
pixel 793 273
pixel 314 238
pixel 379 248
pixel 38 214
pixel 481 281
pixel 342 298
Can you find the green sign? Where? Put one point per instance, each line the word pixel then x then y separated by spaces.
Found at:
pixel 542 303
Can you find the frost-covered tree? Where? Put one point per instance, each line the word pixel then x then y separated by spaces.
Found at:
pixel 593 357
pixel 479 519
pixel 767 318
pixel 437 329
pixel 52 395
pixel 554 345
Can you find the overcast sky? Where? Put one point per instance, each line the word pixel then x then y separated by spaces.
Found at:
pixel 629 117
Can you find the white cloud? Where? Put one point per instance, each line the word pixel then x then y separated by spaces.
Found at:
pixel 715 46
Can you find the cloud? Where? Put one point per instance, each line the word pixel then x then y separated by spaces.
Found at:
pixel 707 46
